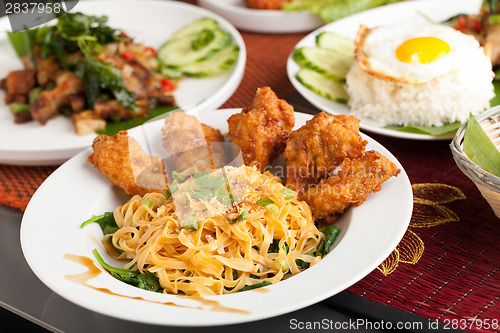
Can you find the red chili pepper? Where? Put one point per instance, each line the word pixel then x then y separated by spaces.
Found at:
pixel 477 25
pixel 167 85
pixel 128 55
pixel 152 51
pixel 462 23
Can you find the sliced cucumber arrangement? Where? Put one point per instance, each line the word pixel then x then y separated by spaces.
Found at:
pixel 333 41
pixel 322 85
pixel 328 62
pixel 325 66
pixel 220 61
pixel 200 49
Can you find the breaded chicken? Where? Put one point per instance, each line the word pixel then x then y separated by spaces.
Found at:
pixel 321 145
pixel 191 143
pixel 261 129
pixel 121 159
pixel 350 185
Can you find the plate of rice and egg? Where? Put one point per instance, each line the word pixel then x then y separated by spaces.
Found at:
pixel 407 71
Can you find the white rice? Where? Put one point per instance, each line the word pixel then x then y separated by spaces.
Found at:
pixel 445 99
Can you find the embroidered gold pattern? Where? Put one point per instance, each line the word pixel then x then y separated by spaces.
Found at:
pixel 428 211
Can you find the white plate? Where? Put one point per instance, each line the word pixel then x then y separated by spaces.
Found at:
pixel 75 191
pixel 150 23
pixel 408 12
pixel 261 20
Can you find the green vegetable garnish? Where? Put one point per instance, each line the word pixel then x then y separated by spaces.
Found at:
pixel 190 223
pixel 255 286
pixel 147 202
pixel 18 108
pixel 331 10
pixel 272 209
pixel 242 217
pixel 148 281
pixel 106 221
pixel 288 193
pixel 203 39
pixel 480 149
pixel 282 263
pixel 177 176
pixel 167 194
pixel 99 75
pixel 263 202
pixel 446 130
pixel 331 232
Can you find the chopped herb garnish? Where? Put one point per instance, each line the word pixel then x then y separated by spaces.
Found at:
pixel 167 194
pixel 242 217
pixel 177 176
pixel 147 202
pixel 288 193
pixel 190 223
pixel 272 209
pixel 263 202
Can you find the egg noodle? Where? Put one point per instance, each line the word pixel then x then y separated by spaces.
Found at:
pixel 225 252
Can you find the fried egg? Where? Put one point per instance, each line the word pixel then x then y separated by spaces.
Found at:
pixel 413 54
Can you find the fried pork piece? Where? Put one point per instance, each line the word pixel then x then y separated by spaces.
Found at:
pixel 192 144
pixel 261 129
pixel 354 179
pixel 51 101
pixel 121 159
pixel 321 145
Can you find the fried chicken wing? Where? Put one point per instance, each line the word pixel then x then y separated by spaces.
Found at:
pixel 261 129
pixel 121 159
pixel 354 179
pixel 191 143
pixel 316 149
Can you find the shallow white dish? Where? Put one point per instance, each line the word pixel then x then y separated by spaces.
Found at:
pixel 408 12
pixel 261 20
pixel 74 192
pixel 150 22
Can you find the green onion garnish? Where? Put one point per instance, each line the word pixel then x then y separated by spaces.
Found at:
pixel 243 216
pixel 263 202
pixel 272 208
pixel 167 194
pixel 190 223
pixel 177 176
pixel 147 202
pixel 282 263
pixel 288 193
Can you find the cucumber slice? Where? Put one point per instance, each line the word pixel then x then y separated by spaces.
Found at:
pixel 331 63
pixel 196 27
pixel 322 85
pixel 333 41
pixel 181 51
pixel 217 63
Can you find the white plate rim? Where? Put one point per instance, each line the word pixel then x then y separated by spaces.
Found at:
pixel 393 13
pixel 265 21
pixel 61 225
pixel 32 155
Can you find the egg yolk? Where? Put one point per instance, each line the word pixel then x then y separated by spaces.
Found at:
pixel 422 50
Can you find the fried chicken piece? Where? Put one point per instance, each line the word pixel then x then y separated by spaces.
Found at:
pixel 350 185
pixel 261 129
pixel 192 144
pixel 316 149
pixel 121 159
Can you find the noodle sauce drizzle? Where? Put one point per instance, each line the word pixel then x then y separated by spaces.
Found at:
pixel 93 271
